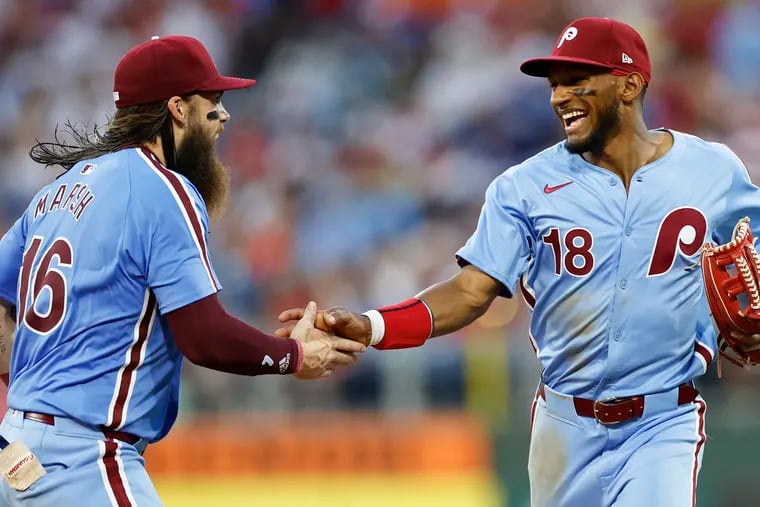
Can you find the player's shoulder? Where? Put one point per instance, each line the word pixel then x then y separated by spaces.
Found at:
pixel 551 160
pixel 154 182
pixel 709 158
pixel 700 147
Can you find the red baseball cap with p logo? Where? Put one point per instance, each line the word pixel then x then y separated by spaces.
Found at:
pixel 601 42
pixel 163 67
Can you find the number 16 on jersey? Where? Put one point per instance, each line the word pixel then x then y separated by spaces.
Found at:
pixel 43 291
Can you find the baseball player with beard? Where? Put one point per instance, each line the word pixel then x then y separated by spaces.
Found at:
pixel 601 234
pixel 111 278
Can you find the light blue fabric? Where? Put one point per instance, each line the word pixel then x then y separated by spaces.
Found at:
pixel 109 247
pixel 84 469
pixel 618 306
pixel 652 461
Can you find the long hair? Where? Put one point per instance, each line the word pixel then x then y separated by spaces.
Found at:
pixel 130 126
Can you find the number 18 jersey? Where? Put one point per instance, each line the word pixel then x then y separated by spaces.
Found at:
pixel 611 275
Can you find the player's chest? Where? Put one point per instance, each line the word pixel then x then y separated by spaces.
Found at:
pixel 580 226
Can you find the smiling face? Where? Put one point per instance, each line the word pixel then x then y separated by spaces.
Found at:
pixel 587 103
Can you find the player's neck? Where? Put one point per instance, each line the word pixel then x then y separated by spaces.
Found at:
pixel 630 150
pixel 155 147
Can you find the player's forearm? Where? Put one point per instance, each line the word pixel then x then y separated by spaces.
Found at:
pixel 454 305
pixel 438 310
pixel 208 336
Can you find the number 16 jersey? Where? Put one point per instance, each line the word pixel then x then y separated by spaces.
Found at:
pixel 96 259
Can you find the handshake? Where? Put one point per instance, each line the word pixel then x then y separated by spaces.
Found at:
pixel 329 338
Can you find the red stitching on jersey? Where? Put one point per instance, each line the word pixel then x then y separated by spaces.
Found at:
pixel 704 352
pixel 135 359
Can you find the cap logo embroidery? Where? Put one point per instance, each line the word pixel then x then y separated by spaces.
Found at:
pixel 115 96
pixel 570 34
pixel 627 59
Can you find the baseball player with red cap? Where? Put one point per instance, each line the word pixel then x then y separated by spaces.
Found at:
pixel 600 234
pixel 110 272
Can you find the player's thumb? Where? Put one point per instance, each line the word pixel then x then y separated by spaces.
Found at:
pixel 309 316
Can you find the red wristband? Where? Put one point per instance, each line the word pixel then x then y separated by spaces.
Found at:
pixel 407 324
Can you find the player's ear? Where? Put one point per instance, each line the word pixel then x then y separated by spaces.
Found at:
pixel 179 109
pixel 631 87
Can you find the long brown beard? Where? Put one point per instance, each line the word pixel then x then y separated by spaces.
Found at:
pixel 197 160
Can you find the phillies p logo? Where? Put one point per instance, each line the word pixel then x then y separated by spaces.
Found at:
pixel 682 231
pixel 569 34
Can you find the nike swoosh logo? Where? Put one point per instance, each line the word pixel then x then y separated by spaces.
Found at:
pixel 549 190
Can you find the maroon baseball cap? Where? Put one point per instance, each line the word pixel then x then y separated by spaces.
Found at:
pixel 601 42
pixel 167 66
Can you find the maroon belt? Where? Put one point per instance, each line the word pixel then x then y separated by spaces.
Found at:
pixel 111 434
pixel 618 410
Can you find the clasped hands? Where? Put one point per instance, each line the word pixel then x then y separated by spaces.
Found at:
pixel 330 338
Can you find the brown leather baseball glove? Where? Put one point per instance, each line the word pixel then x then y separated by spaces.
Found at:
pixel 731 274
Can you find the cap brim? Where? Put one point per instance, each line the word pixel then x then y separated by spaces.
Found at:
pixel 224 83
pixel 539 67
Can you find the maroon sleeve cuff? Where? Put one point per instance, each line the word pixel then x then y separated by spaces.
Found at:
pixel 208 336
pixel 298 354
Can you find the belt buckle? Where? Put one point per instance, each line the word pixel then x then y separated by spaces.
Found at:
pixel 605 402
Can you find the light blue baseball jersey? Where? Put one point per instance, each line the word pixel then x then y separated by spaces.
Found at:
pixel 618 306
pixel 96 259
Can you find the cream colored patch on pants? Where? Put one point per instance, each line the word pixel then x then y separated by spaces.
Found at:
pixel 19 466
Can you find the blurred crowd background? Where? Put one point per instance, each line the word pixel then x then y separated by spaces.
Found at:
pixel 360 159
